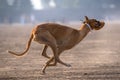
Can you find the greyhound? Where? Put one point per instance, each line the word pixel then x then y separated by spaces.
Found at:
pixel 60 38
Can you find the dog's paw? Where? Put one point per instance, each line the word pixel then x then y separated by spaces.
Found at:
pixel 68 65
pixel 43 73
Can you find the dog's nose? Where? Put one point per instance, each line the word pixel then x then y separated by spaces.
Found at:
pixel 103 23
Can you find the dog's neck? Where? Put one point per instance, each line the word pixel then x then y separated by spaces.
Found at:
pixel 84 30
pixel 87 25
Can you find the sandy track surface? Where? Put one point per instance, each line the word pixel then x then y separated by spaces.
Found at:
pixel 97 57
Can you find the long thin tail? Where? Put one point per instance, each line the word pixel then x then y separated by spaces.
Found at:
pixel 27 47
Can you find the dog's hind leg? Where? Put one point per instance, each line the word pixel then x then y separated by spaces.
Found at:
pixel 44 37
pixel 54 48
pixel 47 64
pixel 61 62
pixel 56 59
pixel 44 52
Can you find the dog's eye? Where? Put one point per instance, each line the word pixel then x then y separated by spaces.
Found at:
pixel 97 23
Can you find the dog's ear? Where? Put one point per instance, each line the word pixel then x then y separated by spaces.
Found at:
pixel 86 18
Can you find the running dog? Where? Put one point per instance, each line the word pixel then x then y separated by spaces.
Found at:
pixel 59 38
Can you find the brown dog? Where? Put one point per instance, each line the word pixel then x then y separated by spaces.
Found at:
pixel 60 38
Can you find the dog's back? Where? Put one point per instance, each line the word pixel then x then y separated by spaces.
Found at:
pixel 57 30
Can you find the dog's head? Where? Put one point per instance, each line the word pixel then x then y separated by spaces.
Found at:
pixel 94 24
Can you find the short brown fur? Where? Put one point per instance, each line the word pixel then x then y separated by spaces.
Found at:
pixel 59 38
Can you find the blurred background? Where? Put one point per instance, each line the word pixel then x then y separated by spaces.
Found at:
pixel 35 11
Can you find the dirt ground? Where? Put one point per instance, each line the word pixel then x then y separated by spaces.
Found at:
pixel 97 57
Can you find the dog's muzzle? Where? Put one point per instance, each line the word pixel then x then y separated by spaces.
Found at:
pixel 98 24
